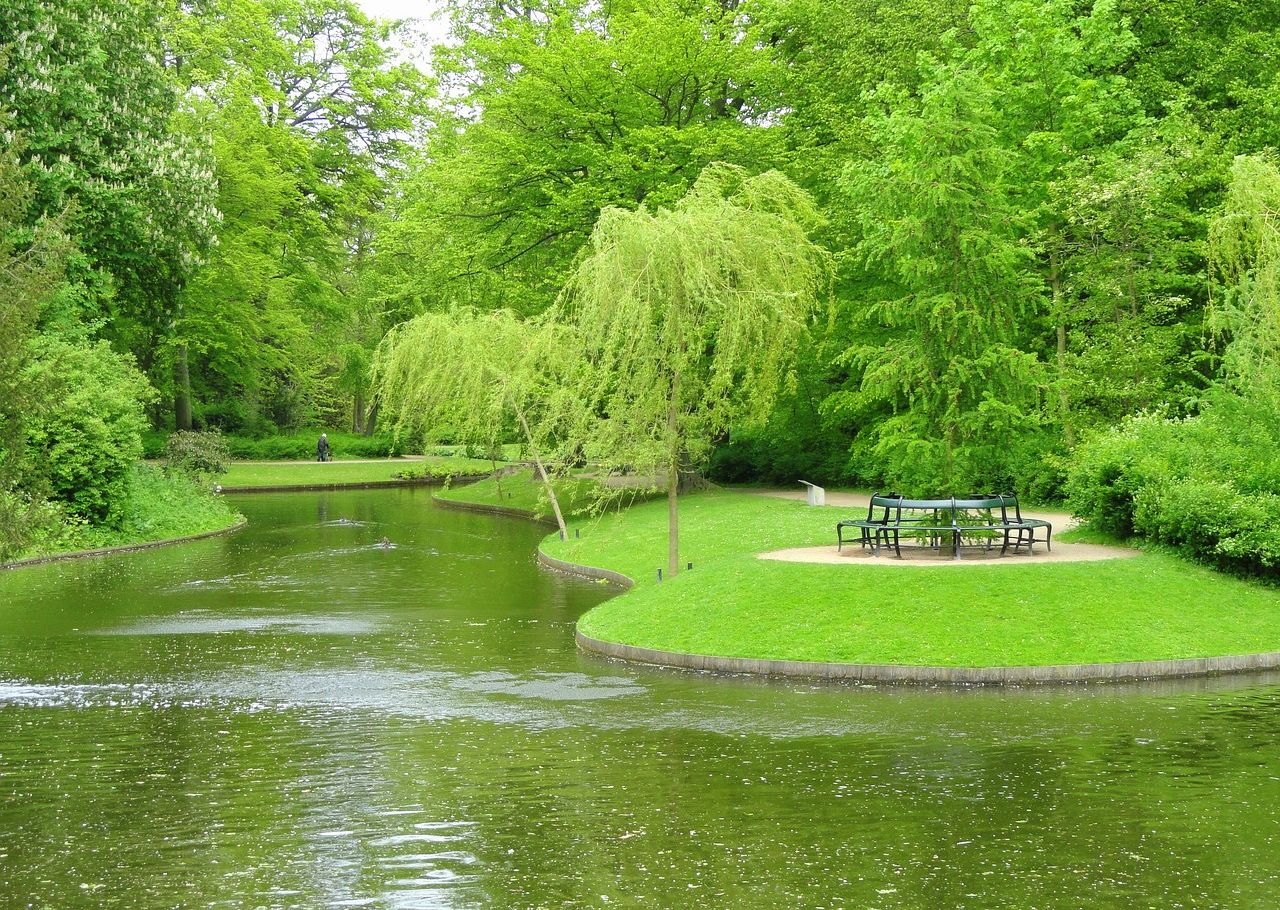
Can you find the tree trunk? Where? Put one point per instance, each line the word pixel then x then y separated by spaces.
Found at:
pixel 372 421
pixel 542 473
pixel 1064 402
pixel 182 391
pixel 357 412
pixel 673 480
pixel 1060 313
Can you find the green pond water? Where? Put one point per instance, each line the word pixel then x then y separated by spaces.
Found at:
pixel 294 717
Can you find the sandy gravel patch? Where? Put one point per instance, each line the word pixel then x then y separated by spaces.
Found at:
pixel 856 555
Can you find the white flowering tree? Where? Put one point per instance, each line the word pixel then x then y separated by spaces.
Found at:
pixel 87 85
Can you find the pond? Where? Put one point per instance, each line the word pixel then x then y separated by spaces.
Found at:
pixel 294 716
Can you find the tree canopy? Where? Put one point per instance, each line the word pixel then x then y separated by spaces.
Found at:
pixel 689 318
pixel 1042 216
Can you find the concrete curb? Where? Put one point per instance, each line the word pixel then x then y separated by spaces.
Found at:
pixel 126 548
pixel 898 673
pixel 486 509
pixel 573 568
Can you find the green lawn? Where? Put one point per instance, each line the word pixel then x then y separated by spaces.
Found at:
pixel 304 473
pixel 1154 606
pixel 522 491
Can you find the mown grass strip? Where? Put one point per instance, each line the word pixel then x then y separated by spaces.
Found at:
pixel 303 473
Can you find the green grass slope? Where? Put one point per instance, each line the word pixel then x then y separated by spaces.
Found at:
pixel 521 491
pixel 158 507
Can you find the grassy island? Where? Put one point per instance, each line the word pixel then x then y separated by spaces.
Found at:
pixel 1153 607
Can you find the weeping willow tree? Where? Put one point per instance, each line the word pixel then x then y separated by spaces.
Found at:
pixel 1244 256
pixel 470 373
pixel 689 318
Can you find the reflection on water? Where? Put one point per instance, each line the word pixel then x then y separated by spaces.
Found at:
pixel 204 624
pixel 296 717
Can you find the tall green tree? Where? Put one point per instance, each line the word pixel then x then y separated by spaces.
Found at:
pixel 941 228
pixel 71 409
pixel 310 116
pixel 104 130
pixel 549 114
pixel 1244 244
pixel 253 323
pixel 690 317
pixel 31 269
pixel 1130 270
pixel 1217 60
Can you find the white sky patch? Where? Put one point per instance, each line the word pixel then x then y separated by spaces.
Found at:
pixel 426 21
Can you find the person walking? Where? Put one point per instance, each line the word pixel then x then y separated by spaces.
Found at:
pixel 322 448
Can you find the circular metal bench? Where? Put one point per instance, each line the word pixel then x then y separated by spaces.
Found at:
pixel 892 519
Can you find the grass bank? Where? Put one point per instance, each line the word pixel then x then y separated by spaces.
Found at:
pixel 158 507
pixel 525 493
pixel 247 474
pixel 1152 607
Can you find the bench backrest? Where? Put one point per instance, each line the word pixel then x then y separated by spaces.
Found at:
pixel 885 501
pixel 1010 503
pixel 893 502
pixel 926 504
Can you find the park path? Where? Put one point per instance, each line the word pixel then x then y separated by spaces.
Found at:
pixel 334 461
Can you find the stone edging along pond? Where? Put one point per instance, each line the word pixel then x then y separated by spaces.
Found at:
pixel 485 508
pixel 123 548
pixel 883 673
pixel 902 673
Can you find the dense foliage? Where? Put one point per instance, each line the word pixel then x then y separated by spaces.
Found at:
pixel 1197 484
pixel 1047 216
pixel 1210 483
pixel 196 455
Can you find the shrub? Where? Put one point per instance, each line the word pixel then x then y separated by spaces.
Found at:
pixel 153 443
pixel 196 455
pixel 1207 485
pixel 25 520
pixel 1110 469
pixel 1212 519
pixel 157 505
pixel 87 445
